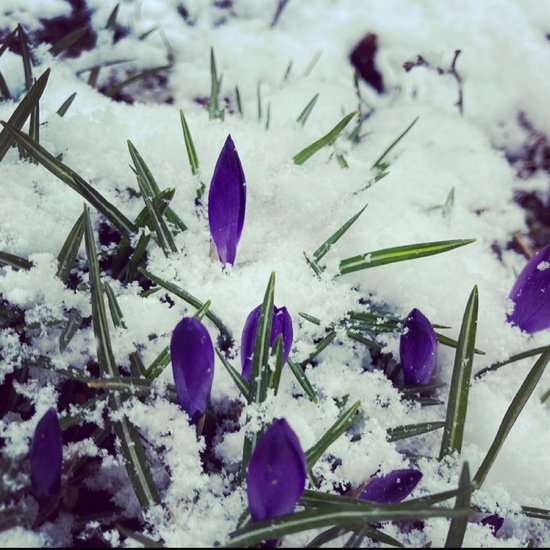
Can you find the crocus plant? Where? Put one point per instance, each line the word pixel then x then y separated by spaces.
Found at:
pixel 192 356
pixel 531 294
pixel 46 457
pixel 393 487
pixel 282 324
pixel 227 202
pixel 276 476
pixel 417 349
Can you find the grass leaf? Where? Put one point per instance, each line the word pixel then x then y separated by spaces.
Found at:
pixel 68 40
pixel 66 104
pixel 457 528
pixel 69 330
pixel 15 261
pixel 511 359
pixel 410 430
pixel 241 383
pixel 72 179
pixel 326 140
pixel 457 403
pixel 303 380
pixel 24 44
pixel 69 251
pixel 380 160
pixel 22 112
pixel 302 118
pixel 111 92
pixel 398 254
pixel 511 415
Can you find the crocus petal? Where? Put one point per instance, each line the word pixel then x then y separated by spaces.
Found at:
pixel 192 356
pixel 531 294
pixel 276 475
pixel 227 202
pixel 46 456
pixel 281 324
pixel 417 349
pixel 393 487
pixel 494 521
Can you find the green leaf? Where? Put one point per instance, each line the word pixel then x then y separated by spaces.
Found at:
pixel 326 140
pixel 344 422
pixel 302 118
pixel 4 90
pixel 68 40
pixel 73 180
pixel 69 251
pixel 111 92
pixel 446 341
pixel 158 365
pixel 303 380
pixel 511 359
pixel 398 254
pixel 22 112
pixel 380 160
pixel 7 41
pixel 146 542
pixel 275 375
pixel 114 308
pixel 15 261
pixel 319 347
pixel 410 430
pixel 325 247
pixel 511 415
pixel 457 528
pixel 66 104
pixel 180 293
pixel 26 56
pixel 238 100
pixel 241 383
pixel 189 145
pixel 69 330
pixel 538 513
pixel 259 100
pixel 111 22
pixel 213 105
pixel 457 403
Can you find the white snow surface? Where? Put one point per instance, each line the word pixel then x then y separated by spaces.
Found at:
pixel 291 209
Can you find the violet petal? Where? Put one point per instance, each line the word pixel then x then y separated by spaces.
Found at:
pixel 494 521
pixel 46 457
pixel 192 356
pixel 281 324
pixel 393 487
pixel 531 294
pixel 227 202
pixel 276 475
pixel 417 349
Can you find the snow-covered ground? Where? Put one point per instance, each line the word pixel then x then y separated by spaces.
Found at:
pixel 449 178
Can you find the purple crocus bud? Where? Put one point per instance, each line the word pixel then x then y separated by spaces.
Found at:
pixel 417 349
pixel 276 476
pixel 192 356
pixel 46 456
pixel 281 324
pixel 393 487
pixel 227 202
pixel 494 521
pixel 531 294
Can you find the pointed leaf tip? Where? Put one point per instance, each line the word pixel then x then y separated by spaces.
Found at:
pixel 227 202
pixel 192 356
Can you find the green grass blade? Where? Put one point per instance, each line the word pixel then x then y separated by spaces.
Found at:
pixel 180 293
pixel 380 160
pixel 326 140
pixel 259 375
pixel 114 308
pixel 275 375
pixel 538 513
pixel 164 236
pixel 446 341
pixel 259 100
pixel 94 76
pixel 304 115
pixel 22 112
pixel 73 180
pixel 410 430
pixel 111 22
pixel 141 539
pixel 189 145
pixel 362 340
pixel 137 368
pixel 111 92
pixel 511 359
pixel 399 254
pixel 66 104
pixel 69 330
pixel 67 41
pixel 150 185
pixel 158 365
pixel 7 41
pixel 240 382
pixel 325 247
pixel 238 100
pixel 457 403
pixel 214 105
pixel 69 251
pixel 329 516
pixel 319 347
pixel 457 528
pixel 345 421
pixel 511 415
pixel 15 261
pixel 302 379
pixel 5 94
pixel 26 56
pixel 138 256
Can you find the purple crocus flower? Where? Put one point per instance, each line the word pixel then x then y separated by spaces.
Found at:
pixel 281 324
pixel 227 202
pixel 417 349
pixel 276 476
pixel 494 521
pixel 192 356
pixel 531 294
pixel 46 456
pixel 393 487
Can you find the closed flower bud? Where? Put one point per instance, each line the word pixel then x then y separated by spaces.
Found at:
pixel 393 487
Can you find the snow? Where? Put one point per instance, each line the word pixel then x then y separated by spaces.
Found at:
pixel 293 209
